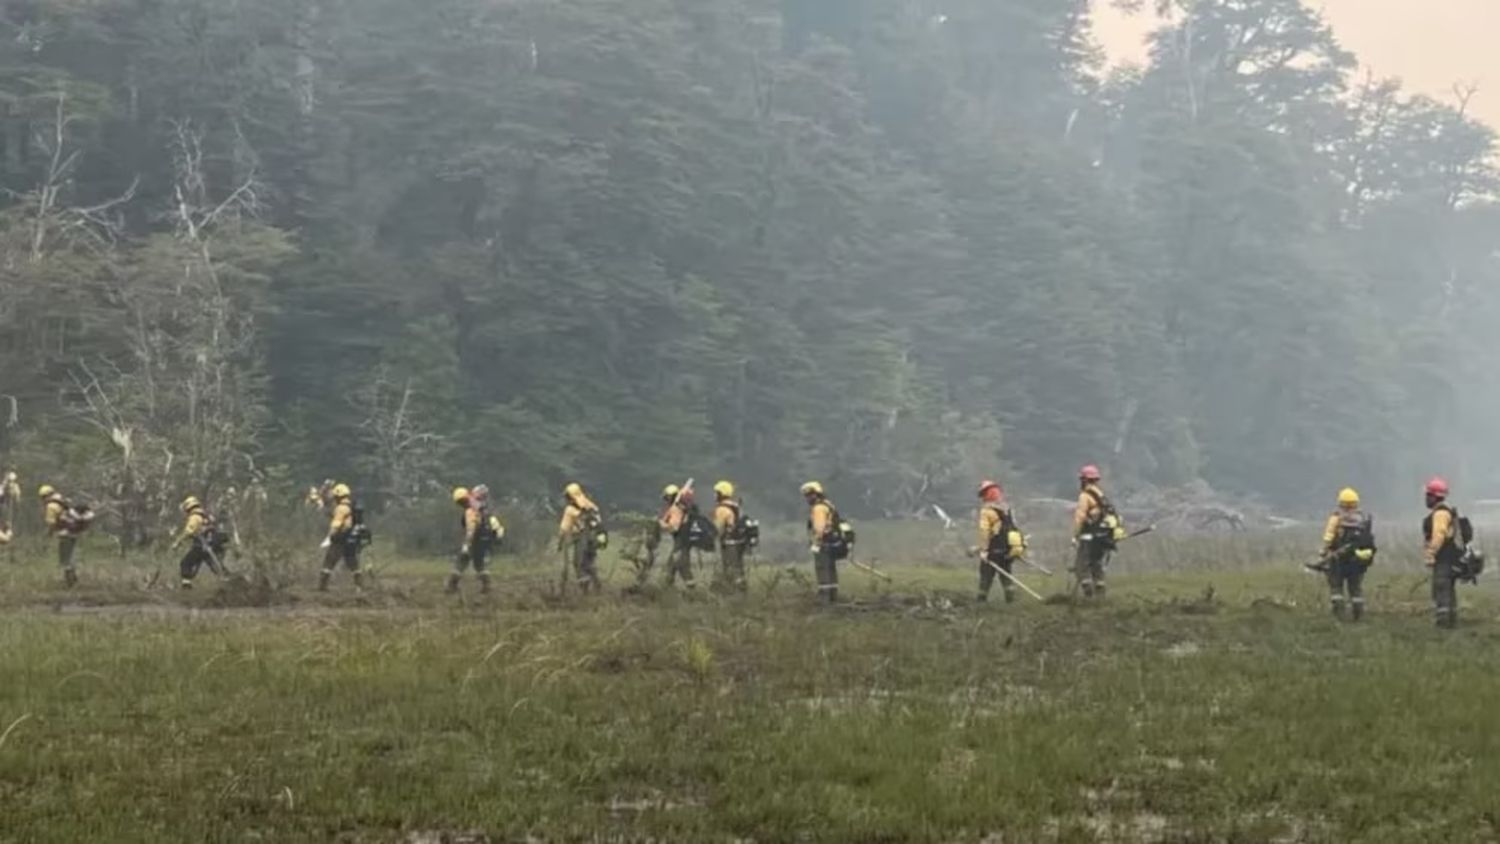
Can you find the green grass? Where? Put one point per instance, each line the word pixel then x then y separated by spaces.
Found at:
pixel 1170 713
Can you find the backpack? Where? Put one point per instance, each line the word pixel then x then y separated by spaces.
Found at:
pixel 1356 532
pixel 591 529
pixel 839 540
pixel 745 531
pixel 1470 563
pixel 1106 530
pixel 698 531
pixel 359 532
pixel 211 537
pixel 489 531
pixel 999 544
pixel 76 518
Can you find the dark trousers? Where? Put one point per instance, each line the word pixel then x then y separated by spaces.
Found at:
pixel 478 556
pixel 827 570
pixel 1444 594
pixel 1088 567
pixel 192 561
pixel 348 552
pixel 987 575
pixel 581 557
pixel 66 545
pixel 732 565
pixel 1347 578
pixel 680 564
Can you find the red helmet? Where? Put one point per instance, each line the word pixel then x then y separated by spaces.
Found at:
pixel 1437 488
pixel 986 487
pixel 1089 473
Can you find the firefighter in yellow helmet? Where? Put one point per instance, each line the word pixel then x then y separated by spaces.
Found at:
pixel 1000 544
pixel 729 526
pixel 482 531
pixel 206 542
pixel 64 522
pixel 346 537
pixel 826 539
pixel 580 537
pixel 678 521
pixel 653 537
pixel 1348 552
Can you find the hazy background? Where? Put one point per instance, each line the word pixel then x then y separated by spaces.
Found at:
pixel 1431 46
pixel 895 245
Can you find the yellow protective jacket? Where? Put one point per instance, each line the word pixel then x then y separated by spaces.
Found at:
pixel 343 519
pixel 820 521
pixel 52 513
pixel 1088 510
pixel 1440 533
pixel 196 519
pixel 672 519
pixel 726 517
pixel 572 517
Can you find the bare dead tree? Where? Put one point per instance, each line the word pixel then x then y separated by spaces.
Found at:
pixel 399 448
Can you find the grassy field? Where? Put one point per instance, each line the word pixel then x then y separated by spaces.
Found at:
pixel 1193 705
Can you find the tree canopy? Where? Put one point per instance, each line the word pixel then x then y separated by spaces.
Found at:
pixel 893 244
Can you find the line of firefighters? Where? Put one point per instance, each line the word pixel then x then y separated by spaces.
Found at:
pixel 1348 547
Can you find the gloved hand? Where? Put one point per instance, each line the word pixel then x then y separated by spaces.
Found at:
pixel 974 551
pixel 464 551
pixel 814 548
pixel 326 542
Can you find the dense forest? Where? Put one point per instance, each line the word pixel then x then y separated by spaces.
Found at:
pixel 891 244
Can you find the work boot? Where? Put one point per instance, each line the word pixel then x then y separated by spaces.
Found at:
pixel 1010 596
pixel 323 577
pixel 1357 610
pixel 186 584
pixel 1338 608
pixel 982 597
pixel 70 577
pixel 452 587
pixel 484 583
pixel 359 580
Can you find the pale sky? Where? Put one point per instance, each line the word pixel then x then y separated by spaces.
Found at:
pixel 1429 44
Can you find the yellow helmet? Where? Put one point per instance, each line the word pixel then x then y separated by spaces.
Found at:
pixel 724 489
pixel 671 491
pixel 191 503
pixel 1348 497
pixel 573 490
pixel 460 495
pixel 812 488
pixel 46 491
pixel 341 491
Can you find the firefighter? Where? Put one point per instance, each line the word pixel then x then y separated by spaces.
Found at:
pixel 1348 552
pixel 64 524
pixel 198 530
pixel 825 540
pixel 1001 542
pixel 1441 552
pixel 481 532
pixel 1096 530
pixel 675 522
pixel 729 525
pixel 654 535
pixel 578 538
pixel 343 541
